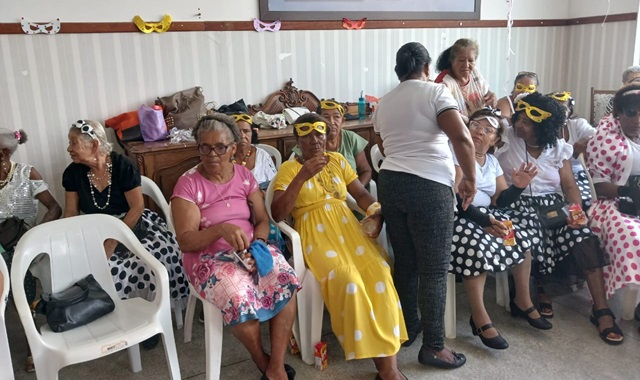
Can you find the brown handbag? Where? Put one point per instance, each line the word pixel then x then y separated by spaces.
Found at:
pixel 183 109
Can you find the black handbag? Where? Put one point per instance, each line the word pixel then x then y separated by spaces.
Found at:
pixel 553 216
pixel 84 302
pixel 11 230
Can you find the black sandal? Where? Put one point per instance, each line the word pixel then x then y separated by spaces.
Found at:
pixel 544 305
pixel 604 334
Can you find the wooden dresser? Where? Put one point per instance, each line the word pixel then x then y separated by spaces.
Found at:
pixel 164 162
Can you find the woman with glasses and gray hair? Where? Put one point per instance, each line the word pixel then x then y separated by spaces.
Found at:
pixel 222 227
pixel 613 159
pixel 483 241
pixel 100 181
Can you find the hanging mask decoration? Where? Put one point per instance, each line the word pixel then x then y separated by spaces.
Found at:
pixel 33 28
pixel 148 27
pixel 353 25
pixel 261 26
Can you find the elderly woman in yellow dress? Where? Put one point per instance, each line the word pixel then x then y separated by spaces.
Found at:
pixel 355 278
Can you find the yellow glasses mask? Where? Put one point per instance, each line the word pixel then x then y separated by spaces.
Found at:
pixel 563 96
pixel 148 27
pixel 530 88
pixel 304 129
pixel 331 105
pixel 535 114
pixel 242 117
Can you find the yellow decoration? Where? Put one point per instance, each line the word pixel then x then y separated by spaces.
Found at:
pixel 530 88
pixel 562 96
pixel 242 117
pixel 331 105
pixel 304 129
pixel 148 27
pixel 539 114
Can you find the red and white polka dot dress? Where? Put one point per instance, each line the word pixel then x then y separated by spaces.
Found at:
pixel 609 160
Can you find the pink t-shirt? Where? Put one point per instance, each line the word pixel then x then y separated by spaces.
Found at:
pixel 212 200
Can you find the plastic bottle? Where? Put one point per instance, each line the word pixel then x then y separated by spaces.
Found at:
pixel 362 106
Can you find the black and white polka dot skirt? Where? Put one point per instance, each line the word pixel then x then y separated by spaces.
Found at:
pixel 550 246
pixel 134 279
pixel 585 190
pixel 474 251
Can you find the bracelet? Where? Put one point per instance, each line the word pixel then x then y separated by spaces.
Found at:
pixel 374 208
pixel 262 239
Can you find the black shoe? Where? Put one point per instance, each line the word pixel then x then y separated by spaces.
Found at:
pixel 413 335
pixel 426 357
pixel 497 342
pixel 151 342
pixel 637 313
pixel 539 323
pixel 291 373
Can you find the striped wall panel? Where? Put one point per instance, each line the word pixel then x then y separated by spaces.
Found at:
pixel 46 82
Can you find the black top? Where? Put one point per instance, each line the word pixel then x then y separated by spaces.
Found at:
pixel 124 177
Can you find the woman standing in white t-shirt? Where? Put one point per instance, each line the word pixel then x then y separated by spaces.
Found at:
pixel 534 138
pixel 414 123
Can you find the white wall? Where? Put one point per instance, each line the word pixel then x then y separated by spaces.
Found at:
pixel 588 8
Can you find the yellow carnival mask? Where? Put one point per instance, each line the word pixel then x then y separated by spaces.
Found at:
pixel 530 88
pixel 242 117
pixel 562 96
pixel 331 105
pixel 304 129
pixel 535 114
pixel 148 27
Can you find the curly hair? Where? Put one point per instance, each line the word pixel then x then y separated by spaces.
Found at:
pixel 445 58
pixel 217 122
pixel 310 117
pixel 547 130
pixel 487 112
pixel 570 103
pixel 410 60
pixel 622 101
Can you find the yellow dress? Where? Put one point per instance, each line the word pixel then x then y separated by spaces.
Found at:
pixel 355 278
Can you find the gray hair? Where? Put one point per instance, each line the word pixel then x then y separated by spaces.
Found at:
pixel 10 139
pixel 629 70
pixel 217 122
pixel 98 134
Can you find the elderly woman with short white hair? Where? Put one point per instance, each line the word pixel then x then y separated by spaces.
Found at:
pixel 100 181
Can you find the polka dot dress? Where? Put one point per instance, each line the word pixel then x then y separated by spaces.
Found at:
pixel 355 278
pixel 585 190
pixel 474 251
pixel 549 246
pixel 134 279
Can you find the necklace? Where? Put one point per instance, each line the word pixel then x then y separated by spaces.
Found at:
pixel 328 187
pixel 9 174
pixel 245 159
pixel 92 183
pixel 227 201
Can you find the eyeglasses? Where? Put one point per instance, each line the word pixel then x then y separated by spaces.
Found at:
pixel 633 80
pixel 630 112
pixel 218 149
pixel 487 130
pixel 85 128
pixel 534 113
pixel 304 129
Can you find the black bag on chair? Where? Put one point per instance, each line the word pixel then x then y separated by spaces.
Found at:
pixel 84 302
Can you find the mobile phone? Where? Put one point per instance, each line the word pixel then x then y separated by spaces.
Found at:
pixel 239 257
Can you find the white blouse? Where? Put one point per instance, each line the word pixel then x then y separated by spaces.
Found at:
pixel 265 169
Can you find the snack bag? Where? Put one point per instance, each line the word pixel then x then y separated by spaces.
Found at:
pixel 320 354
pixel 293 346
pixel 576 215
pixel 510 238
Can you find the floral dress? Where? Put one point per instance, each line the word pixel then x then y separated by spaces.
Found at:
pixel 355 278
pixel 213 271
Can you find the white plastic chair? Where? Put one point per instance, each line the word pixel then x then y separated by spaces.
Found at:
pixel 273 152
pixel 376 157
pixel 630 291
pixel 5 354
pixel 74 247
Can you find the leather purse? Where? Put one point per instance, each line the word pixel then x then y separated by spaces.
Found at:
pixel 82 303
pixel 11 230
pixel 183 109
pixel 553 216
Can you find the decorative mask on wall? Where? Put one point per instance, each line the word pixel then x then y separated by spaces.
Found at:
pixel 34 28
pixel 261 26
pixel 148 27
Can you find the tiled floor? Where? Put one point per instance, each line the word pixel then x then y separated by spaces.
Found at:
pixel 571 350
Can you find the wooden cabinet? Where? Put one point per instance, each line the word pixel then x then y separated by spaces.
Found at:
pixel 164 162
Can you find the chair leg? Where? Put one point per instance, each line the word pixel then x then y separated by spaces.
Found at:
pixel 629 301
pixel 177 312
pixel 310 313
pixel 134 358
pixel 170 351
pixel 450 308
pixel 502 290
pixel 213 340
pixel 188 315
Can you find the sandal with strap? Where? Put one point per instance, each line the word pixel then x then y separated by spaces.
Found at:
pixel 544 305
pixel 604 334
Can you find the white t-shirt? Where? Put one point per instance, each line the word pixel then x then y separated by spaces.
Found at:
pixel 486 176
pixel 265 169
pixel 407 120
pixel 513 154
pixel 634 149
pixel 578 130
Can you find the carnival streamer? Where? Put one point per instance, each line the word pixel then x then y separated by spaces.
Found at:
pixel 509 27
pixel 606 14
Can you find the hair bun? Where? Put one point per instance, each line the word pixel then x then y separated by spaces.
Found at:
pixel 21 136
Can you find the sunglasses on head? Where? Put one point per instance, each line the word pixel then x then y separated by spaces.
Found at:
pixel 218 149
pixel 304 129
pixel 527 74
pixel 85 128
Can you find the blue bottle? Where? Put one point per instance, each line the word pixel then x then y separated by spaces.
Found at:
pixel 362 107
